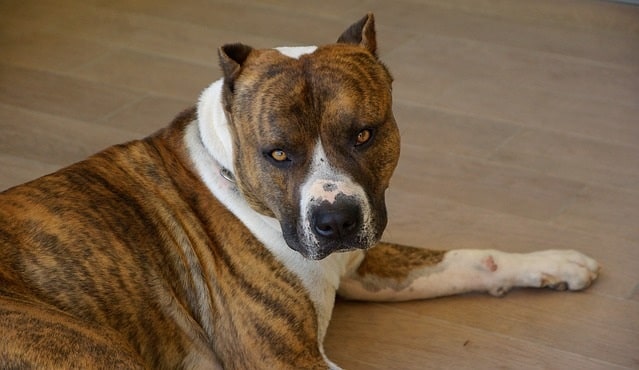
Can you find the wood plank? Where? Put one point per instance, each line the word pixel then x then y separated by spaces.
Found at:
pixel 45 51
pixel 608 210
pixel 148 115
pixel 51 139
pixel 60 95
pixel 146 73
pixel 568 156
pixel 483 184
pixel 575 323
pixel 381 336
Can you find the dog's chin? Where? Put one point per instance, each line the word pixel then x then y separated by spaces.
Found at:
pixel 313 249
pixel 319 252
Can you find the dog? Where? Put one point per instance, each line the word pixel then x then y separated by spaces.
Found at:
pixel 222 240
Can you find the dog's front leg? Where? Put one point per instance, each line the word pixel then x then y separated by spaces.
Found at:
pixel 392 272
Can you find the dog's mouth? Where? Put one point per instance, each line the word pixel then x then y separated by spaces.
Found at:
pixel 319 251
pixel 329 229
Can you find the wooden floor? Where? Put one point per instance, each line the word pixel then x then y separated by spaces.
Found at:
pixel 520 123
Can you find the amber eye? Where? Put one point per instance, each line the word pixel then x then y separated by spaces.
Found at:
pixel 279 155
pixel 363 137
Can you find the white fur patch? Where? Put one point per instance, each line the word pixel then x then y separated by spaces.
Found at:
pixel 214 132
pixel 296 51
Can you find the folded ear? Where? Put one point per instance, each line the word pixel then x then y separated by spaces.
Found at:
pixel 361 33
pixel 232 56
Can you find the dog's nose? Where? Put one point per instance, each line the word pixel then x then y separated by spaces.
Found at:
pixel 336 221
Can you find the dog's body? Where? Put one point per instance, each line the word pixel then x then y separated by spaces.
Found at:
pixel 221 241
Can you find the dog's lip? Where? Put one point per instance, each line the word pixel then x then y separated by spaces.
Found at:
pixel 323 254
pixel 320 254
pixel 315 253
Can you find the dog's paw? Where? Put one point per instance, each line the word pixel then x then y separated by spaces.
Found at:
pixel 562 270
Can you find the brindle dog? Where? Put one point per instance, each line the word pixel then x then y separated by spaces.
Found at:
pixel 221 241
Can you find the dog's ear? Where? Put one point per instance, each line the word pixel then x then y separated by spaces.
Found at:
pixel 232 56
pixel 361 33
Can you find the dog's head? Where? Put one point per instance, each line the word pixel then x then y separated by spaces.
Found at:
pixel 314 138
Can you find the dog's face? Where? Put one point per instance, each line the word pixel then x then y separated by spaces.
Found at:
pixel 315 141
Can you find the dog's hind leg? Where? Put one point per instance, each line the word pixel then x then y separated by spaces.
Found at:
pixel 390 272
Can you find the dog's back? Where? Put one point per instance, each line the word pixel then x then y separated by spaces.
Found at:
pixel 84 250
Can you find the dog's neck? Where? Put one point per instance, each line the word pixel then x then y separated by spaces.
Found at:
pixel 214 128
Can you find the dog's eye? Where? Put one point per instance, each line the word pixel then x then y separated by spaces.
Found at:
pixel 363 137
pixel 279 155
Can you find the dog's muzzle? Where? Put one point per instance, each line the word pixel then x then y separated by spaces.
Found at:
pixel 335 215
pixel 336 226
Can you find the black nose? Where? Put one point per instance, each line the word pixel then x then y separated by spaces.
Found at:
pixel 336 221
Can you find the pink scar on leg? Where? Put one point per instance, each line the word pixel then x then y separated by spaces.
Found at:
pixel 490 264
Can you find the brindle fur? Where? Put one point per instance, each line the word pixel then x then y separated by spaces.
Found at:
pixel 396 262
pixel 331 95
pixel 318 99
pixel 128 240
